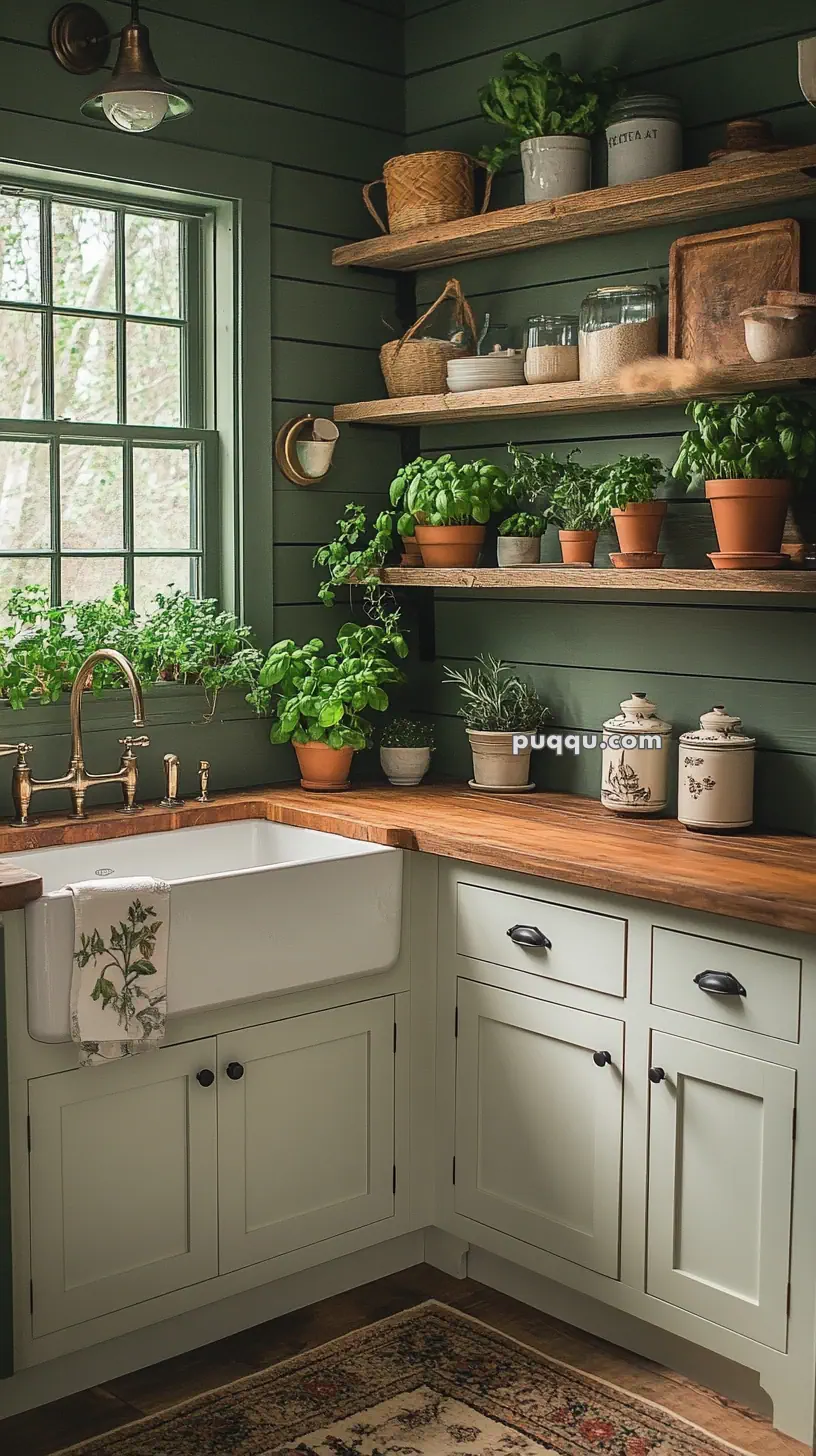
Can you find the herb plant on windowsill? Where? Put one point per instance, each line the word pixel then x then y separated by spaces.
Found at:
pixel 497 706
pixel 406 745
pixel 447 506
pixel 629 487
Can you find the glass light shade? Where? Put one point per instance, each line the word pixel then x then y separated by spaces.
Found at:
pixel 135 110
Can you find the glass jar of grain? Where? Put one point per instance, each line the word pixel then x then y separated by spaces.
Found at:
pixel 551 348
pixel 617 325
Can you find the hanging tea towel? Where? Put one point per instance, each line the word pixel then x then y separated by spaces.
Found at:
pixel 119 981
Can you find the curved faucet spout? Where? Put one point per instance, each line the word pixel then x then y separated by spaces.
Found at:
pixel 82 680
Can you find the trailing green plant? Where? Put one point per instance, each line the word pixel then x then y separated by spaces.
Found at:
pixel 630 479
pixel 495 699
pixel 757 436
pixel 533 477
pixel 319 697
pixel 523 524
pixel 532 98
pixel 355 555
pixel 407 733
pixel 575 502
pixel 442 492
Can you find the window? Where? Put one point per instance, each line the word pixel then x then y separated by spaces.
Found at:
pixel 105 464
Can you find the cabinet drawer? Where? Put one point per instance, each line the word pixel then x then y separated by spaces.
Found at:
pixel 770 982
pixel 583 948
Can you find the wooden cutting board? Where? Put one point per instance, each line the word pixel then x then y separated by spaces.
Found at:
pixel 714 276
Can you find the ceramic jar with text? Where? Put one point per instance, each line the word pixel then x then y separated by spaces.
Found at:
pixel 715 785
pixel 635 770
pixel 644 138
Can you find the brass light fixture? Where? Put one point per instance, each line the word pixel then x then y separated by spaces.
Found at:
pixel 135 97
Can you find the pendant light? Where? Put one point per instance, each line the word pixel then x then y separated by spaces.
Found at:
pixel 134 98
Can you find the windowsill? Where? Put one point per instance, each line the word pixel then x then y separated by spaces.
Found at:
pixel 165 703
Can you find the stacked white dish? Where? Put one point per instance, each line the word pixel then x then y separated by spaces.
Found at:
pixel 499 370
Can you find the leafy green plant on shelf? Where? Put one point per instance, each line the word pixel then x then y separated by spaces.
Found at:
pixel 630 480
pixel 532 98
pixel 495 699
pixel 355 556
pixel 574 498
pixel 757 436
pixel 443 492
pixel 319 697
pixel 523 524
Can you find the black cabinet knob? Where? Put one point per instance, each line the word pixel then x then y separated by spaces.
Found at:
pixel 602 1059
pixel 656 1074
pixel 529 935
pixel 205 1077
pixel 719 983
pixel 235 1071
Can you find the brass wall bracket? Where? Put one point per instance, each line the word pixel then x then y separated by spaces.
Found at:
pixel 321 450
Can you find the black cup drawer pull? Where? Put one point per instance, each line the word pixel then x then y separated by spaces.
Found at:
pixel 720 983
pixel 602 1059
pixel 529 935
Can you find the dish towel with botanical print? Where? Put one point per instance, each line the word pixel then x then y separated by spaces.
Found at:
pixel 119 981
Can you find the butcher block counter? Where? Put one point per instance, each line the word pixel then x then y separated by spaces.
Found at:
pixel 767 878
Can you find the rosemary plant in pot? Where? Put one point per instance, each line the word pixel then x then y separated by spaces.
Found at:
pixel 447 506
pixel 498 707
pixel 628 487
pixel 549 114
pixel 406 745
pixel 750 453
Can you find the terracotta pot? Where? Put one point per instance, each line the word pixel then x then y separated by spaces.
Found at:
pixel 411 554
pixel 450 545
pixel 578 546
pixel 749 515
pixel 518 550
pixel 638 526
pixel 495 765
pixel 322 768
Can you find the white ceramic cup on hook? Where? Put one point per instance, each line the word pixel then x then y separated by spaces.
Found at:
pixel 315 455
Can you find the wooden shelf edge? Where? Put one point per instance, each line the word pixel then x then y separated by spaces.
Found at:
pixel 579 397
pixel 720 187
pixel 557 578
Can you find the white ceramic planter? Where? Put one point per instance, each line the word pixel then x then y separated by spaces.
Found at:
pixel 518 550
pixel 555 166
pixel 495 765
pixel 405 766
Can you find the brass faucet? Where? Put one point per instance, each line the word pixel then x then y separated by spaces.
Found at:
pixel 77 780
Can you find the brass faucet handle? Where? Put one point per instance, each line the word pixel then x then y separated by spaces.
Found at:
pixel 129 743
pixel 21 749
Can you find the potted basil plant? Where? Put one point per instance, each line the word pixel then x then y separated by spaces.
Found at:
pixel 498 707
pixel 319 698
pixel 549 114
pixel 749 452
pixel 406 745
pixel 628 487
pixel 447 506
pixel 519 539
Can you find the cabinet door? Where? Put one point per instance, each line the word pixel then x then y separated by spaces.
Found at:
pixel 123 1184
pixel 538 1123
pixel 720 1173
pixel 305 1130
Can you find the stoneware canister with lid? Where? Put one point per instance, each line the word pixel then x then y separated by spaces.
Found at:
pixel 635 770
pixel 715 786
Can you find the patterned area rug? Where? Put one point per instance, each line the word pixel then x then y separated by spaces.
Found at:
pixel 429 1382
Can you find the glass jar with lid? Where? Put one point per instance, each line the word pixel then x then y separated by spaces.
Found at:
pixel 644 138
pixel 617 326
pixel 551 348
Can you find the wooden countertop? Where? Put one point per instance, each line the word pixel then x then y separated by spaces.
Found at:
pixel 768 878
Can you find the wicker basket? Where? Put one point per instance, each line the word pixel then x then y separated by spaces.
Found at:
pixel 427 187
pixel 420 366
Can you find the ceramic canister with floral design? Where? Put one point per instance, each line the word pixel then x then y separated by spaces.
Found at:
pixel 715 786
pixel 635 768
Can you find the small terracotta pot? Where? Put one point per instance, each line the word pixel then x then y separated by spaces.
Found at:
pixel 638 526
pixel 450 545
pixel 411 554
pixel 495 765
pixel 322 768
pixel 578 546
pixel 749 515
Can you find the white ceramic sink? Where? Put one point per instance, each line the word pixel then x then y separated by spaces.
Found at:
pixel 256 909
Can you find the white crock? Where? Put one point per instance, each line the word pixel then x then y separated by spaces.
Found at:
pixel 555 166
pixel 634 779
pixel 715 783
pixel 518 550
pixel 405 766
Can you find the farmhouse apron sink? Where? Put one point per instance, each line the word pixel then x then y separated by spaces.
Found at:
pixel 256 909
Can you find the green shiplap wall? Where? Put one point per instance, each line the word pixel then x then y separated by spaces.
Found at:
pixel 315 88
pixel 723 61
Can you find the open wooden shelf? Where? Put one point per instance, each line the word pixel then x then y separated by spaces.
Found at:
pixel 555 578
pixel 579 397
pixel 703 191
